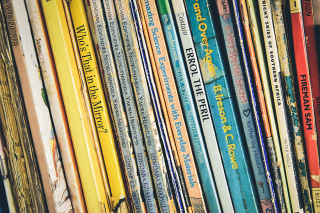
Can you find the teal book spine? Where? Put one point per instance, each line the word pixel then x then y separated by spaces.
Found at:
pixel 181 76
pixel 222 106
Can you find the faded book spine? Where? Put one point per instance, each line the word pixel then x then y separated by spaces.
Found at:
pixel 56 104
pixel 222 106
pixel 37 107
pixel 279 102
pixel 144 105
pixel 238 70
pixel 110 79
pixel 21 155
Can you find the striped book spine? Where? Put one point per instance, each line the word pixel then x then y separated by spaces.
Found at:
pixel 57 110
pixel 37 107
pixel 144 105
pixel 260 168
pixel 141 35
pixel 202 104
pixel 127 145
pixel 296 127
pixel 279 101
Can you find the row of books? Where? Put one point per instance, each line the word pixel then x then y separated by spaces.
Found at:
pixel 159 106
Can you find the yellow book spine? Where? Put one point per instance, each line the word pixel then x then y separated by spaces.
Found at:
pixel 72 93
pixel 98 102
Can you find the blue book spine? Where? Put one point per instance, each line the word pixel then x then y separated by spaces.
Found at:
pixel 222 108
pixel 243 100
pixel 185 92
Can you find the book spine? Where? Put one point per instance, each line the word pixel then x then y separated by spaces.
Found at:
pixel 146 113
pixel 222 108
pixel 72 85
pixel 307 110
pixel 56 104
pixel 142 40
pixel 18 136
pixel 257 39
pixel 37 108
pixel 109 75
pixel 296 128
pixel 201 100
pixel 4 164
pixel 253 133
pixel 98 104
pixel 309 29
pixel 279 101
pixel 267 146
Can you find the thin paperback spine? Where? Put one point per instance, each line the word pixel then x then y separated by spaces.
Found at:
pixel 156 103
pixel 309 30
pixel 56 104
pixel 71 84
pixel 306 98
pixel 253 12
pixel 146 113
pixel 222 108
pixel 99 106
pixel 252 132
pixel 201 100
pixel 33 193
pixel 197 141
pixel 42 130
pixel 279 102
pixel 268 153
pixel 175 156
pixel 296 127
pixel 121 119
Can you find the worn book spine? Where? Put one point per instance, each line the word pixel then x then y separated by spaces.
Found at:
pixel 98 105
pixel 57 110
pixel 222 107
pixel 41 125
pixel 144 105
pixel 4 164
pixel 296 127
pixel 110 79
pixel 280 104
pixel 309 30
pixel 21 155
pixel 144 50
pixel 202 104
pixel 190 113
pixel 266 144
pixel 243 88
pixel 72 85
pixel 257 38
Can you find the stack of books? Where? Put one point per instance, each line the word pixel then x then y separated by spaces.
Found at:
pixel 159 106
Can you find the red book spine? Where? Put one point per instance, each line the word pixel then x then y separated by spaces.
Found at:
pixel 303 76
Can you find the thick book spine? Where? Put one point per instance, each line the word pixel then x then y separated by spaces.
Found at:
pixel 21 154
pixel 41 126
pixel 142 40
pixel 253 133
pixel 222 108
pixel 4 163
pixel 109 76
pixel 281 182
pixel 98 104
pixel 196 138
pixel 304 82
pixel 309 30
pixel 279 102
pixel 144 105
pixel 202 104
pixel 72 85
pixel 57 110
pixel 289 92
